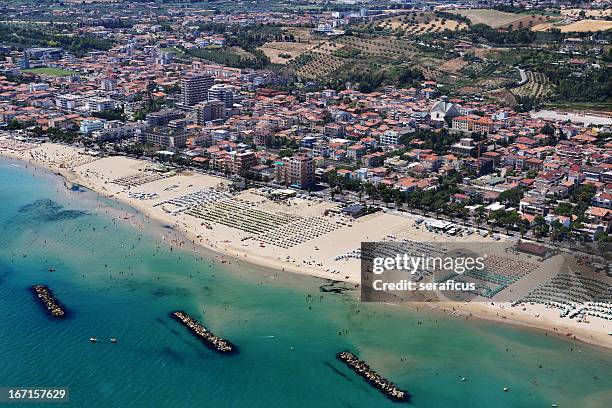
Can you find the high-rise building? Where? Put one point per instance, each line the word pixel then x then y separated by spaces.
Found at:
pixel 241 162
pixel 24 63
pixel 296 171
pixel 223 93
pixel 108 84
pixel 207 111
pixel 194 88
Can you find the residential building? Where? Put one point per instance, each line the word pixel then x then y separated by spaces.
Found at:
pixel 389 138
pixel 223 93
pixel 295 171
pixel 464 148
pixel 165 138
pixel 194 88
pixel 68 102
pixel 89 126
pixel 116 130
pixel 99 104
pixel 209 111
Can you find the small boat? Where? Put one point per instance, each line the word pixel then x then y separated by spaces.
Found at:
pixel 51 269
pixel 113 340
pixel 93 339
pixel 506 389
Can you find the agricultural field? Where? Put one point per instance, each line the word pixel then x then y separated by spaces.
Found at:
pixel 50 71
pixel 601 13
pixel 492 80
pixel 379 47
pixel 326 57
pixel 241 52
pixel 501 19
pixel 581 26
pixel 281 52
pixel 502 96
pixel 536 87
pixel 454 65
pixel 430 74
pixel 419 23
pixel 318 61
pixel 231 56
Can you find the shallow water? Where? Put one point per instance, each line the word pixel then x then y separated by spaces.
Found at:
pixel 121 278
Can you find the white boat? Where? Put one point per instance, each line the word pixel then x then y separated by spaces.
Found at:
pixel 93 339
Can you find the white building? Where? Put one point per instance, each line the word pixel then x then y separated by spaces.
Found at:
pixel 223 93
pixel 68 101
pixel 89 126
pixel 117 130
pixel 99 104
pixel 219 135
pixel 108 85
pixel 442 109
pixel 390 137
pixel 36 87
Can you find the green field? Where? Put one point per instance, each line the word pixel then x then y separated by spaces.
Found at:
pixel 58 72
pixel 177 51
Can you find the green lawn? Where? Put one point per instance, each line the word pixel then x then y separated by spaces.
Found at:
pixel 177 51
pixel 58 72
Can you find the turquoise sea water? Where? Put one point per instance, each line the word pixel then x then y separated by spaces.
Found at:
pixel 121 278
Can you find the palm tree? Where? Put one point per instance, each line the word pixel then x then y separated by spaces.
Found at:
pixel 479 215
pixel 398 203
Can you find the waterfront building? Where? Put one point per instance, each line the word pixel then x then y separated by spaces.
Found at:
pixel 295 171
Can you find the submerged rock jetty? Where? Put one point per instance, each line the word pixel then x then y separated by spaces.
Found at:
pixel 212 341
pixel 361 368
pixel 45 295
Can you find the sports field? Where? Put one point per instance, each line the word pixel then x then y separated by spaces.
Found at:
pixel 51 71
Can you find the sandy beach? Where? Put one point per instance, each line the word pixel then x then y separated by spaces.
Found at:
pixel 299 235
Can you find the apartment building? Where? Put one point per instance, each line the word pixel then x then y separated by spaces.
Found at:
pixel 68 102
pixel 194 88
pixel 117 130
pixel 241 162
pixel 468 124
pixel 208 111
pixel 165 138
pixel 295 171
pixel 222 93
pixel 89 126
pixel 99 104
pixel 389 138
